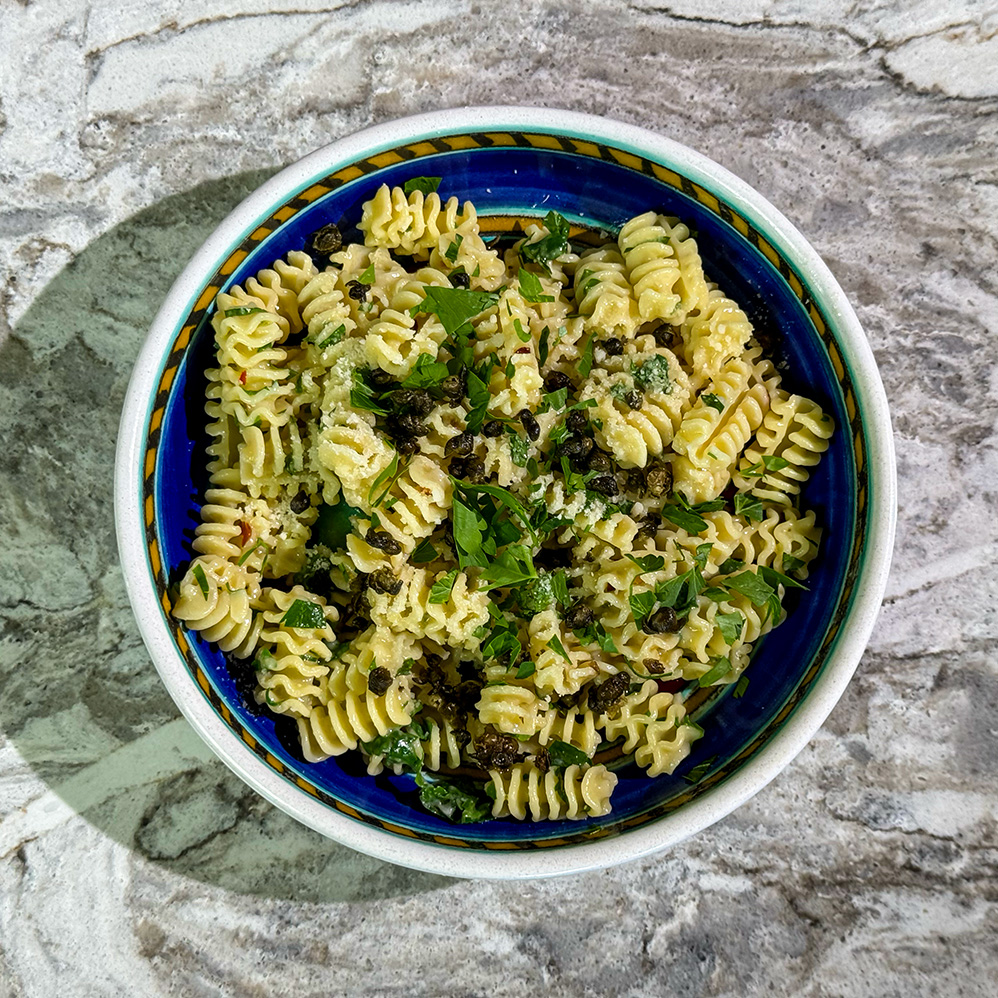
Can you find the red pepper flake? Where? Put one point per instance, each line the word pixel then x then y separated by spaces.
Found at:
pixel 245 533
pixel 242 377
pixel 522 350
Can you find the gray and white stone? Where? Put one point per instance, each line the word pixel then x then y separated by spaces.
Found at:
pixel 133 863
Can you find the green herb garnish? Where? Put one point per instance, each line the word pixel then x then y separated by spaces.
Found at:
pixel 548 247
pixel 730 626
pixel 424 553
pixel 241 310
pixel 425 185
pixel 748 505
pixel 531 288
pixel 714 401
pixel 454 307
pixel 561 755
pixel 304 614
pixel 441 589
pixel 653 375
pixel 198 572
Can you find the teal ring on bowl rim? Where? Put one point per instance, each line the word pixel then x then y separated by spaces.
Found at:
pixel 521 162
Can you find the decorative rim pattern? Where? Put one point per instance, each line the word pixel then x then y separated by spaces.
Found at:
pixel 461 139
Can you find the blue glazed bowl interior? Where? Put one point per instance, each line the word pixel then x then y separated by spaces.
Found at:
pixel 595 193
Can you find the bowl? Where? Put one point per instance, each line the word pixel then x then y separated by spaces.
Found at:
pixel 517 163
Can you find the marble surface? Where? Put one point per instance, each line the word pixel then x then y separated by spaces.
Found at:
pixel 133 863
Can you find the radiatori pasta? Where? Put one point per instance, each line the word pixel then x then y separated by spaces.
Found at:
pixel 496 508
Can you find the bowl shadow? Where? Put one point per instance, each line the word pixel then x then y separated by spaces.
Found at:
pixel 79 697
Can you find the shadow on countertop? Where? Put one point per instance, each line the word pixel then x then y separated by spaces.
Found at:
pixel 79 697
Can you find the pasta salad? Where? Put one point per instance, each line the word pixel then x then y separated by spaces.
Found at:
pixel 483 511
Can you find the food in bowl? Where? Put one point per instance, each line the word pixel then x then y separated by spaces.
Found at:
pixel 492 509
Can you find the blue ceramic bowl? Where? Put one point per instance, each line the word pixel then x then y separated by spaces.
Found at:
pixel 521 163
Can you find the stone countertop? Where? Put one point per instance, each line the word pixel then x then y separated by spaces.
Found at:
pixel 133 863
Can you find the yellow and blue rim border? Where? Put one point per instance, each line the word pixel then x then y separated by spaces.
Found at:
pixel 477 140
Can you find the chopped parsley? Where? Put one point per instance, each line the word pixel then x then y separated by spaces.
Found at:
pixel 441 589
pixel 198 572
pixel 730 625
pixel 653 375
pixel 454 307
pixel 426 373
pixel 426 552
pixel 230 313
pixel 304 614
pixel 425 185
pixel 531 288
pixel 548 247
pixel 333 524
pixel 562 755
pixel 748 505
pixel 714 401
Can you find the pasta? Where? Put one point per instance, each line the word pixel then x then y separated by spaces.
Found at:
pixel 496 510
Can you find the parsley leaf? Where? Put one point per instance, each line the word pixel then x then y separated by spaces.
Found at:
pixel 198 572
pixel 730 626
pixel 426 185
pixel 241 310
pixel 333 524
pixel 519 450
pixel 753 586
pixel 478 398
pixel 730 565
pixel 426 373
pixel 792 564
pixel 323 341
pixel 451 252
pixel 424 553
pixel 389 476
pixel 702 554
pixel 305 614
pixel 505 497
pixel 714 401
pixel 697 773
pixel 457 801
pixel 653 375
pixel 504 638
pixel 775 578
pixel 682 514
pixel 769 462
pixel 552 245
pixel 526 670
pixel 648 562
pixel 554 400
pixel 748 505
pixel 362 395
pixel 454 307
pixel 510 567
pixel 641 605
pixel 399 746
pixel 441 589
pixel 542 346
pixel 531 288
pixel 740 687
pixel 555 645
pixel 718 671
pixel 469 533
pixel 561 755
pixel 368 277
